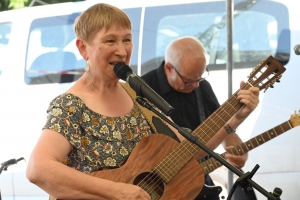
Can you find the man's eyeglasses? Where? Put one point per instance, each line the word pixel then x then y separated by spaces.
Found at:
pixel 203 77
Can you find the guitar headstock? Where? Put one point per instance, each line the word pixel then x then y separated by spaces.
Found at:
pixel 295 119
pixel 266 73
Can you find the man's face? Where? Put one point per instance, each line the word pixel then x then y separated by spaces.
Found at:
pixel 186 77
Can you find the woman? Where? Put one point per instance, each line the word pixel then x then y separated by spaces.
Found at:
pixel 87 128
pixel 104 38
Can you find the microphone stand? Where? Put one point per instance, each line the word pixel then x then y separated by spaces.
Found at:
pixel 6 164
pixel 243 179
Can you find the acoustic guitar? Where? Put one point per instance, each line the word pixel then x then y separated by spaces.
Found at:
pixel 165 168
pixel 211 164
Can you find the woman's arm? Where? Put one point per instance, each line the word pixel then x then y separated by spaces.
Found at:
pixel 45 169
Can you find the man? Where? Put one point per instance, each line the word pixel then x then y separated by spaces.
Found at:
pixel 180 80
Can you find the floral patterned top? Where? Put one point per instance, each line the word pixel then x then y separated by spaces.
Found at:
pixel 99 142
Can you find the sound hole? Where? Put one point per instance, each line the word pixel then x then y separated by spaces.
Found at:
pixel 151 183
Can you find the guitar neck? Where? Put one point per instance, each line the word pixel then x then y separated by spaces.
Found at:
pixel 263 76
pixel 212 164
pixel 206 130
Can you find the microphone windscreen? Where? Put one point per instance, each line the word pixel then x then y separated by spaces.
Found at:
pixel 122 70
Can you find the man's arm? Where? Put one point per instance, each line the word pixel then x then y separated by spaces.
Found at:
pixel 250 100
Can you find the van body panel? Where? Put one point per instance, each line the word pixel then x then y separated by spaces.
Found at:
pixel 31 37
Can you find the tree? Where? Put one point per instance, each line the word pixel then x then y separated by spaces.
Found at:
pixel 16 4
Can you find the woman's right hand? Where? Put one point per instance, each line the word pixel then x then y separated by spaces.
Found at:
pixel 124 191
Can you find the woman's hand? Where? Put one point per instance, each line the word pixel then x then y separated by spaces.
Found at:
pixel 237 161
pixel 125 191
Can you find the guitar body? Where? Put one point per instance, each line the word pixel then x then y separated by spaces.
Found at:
pixel 150 151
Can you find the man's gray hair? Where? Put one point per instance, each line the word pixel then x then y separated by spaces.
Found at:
pixel 187 45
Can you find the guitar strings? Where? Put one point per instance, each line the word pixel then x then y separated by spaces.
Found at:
pixel 155 179
pixel 211 125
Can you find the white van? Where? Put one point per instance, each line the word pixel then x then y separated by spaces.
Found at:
pixel 39 60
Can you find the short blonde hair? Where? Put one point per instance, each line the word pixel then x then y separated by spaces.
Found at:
pixel 97 17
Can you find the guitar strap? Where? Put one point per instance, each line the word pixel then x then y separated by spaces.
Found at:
pixel 157 124
pixel 200 106
pixel 148 115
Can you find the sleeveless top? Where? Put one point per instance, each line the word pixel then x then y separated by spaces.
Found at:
pixel 99 142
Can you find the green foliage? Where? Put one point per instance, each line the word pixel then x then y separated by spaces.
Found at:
pixel 3 4
pixel 16 4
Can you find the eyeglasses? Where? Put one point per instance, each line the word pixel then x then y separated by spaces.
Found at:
pixel 203 77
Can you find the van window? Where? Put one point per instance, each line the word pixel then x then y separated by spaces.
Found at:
pixel 5 29
pixel 257 32
pixel 52 56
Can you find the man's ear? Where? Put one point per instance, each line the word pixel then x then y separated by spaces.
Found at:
pixel 81 46
pixel 168 67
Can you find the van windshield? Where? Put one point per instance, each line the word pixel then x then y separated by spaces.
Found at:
pixel 212 32
pixel 257 33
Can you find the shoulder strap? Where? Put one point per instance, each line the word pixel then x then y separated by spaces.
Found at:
pixel 200 106
pixel 147 113
pixel 157 124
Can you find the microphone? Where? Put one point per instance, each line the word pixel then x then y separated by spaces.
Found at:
pixel 10 162
pixel 297 49
pixel 141 88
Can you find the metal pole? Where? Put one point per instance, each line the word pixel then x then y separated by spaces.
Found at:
pixel 229 19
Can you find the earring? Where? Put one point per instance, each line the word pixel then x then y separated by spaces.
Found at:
pixel 87 68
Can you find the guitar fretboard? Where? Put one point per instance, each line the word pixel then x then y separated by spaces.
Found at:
pixel 206 130
pixel 212 164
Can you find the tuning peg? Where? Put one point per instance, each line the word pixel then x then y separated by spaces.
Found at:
pixel 266 88
pixel 271 85
pixel 278 78
pixel 295 114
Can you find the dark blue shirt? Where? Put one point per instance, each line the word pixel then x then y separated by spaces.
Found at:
pixel 185 104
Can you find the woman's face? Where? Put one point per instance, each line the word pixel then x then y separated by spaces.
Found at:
pixel 107 48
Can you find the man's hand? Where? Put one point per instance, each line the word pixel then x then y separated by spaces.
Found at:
pixel 250 100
